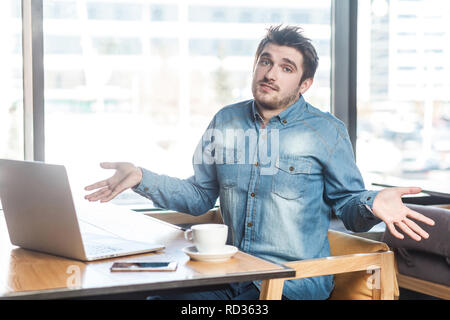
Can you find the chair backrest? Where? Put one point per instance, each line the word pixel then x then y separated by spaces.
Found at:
pixel 178 218
pixel 354 285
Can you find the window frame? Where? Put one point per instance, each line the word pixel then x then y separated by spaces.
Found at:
pixel 33 79
pixel 344 64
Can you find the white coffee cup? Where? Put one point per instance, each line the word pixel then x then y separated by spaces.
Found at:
pixel 208 238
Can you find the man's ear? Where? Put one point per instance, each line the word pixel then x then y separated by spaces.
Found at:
pixel 305 85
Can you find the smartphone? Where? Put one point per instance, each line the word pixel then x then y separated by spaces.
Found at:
pixel 144 266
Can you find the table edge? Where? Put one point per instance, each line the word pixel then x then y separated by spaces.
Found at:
pixel 67 293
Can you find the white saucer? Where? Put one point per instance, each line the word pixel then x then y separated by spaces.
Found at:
pixel 211 257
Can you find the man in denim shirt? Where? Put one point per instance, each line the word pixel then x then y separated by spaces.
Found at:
pixel 279 166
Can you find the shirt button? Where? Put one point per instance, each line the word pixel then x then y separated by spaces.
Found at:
pixel 291 168
pixel 257 164
pixel 284 121
pixel 145 189
pixel 253 194
pixel 250 224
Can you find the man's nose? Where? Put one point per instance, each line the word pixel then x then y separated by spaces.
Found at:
pixel 271 74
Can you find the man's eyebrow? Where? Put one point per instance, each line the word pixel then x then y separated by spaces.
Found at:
pixel 268 55
pixel 290 62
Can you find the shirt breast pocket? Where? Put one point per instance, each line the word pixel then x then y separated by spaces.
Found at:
pixel 291 177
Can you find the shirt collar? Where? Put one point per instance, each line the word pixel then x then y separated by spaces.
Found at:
pixel 288 115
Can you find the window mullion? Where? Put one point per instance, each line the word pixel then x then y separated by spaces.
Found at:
pixel 344 63
pixel 33 79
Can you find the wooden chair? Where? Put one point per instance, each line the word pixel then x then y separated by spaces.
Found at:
pixel 363 268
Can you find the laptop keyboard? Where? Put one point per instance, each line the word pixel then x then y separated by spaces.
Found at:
pixel 101 249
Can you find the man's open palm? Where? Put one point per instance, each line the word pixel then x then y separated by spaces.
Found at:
pixel 388 206
pixel 127 175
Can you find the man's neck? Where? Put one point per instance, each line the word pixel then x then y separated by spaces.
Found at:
pixel 267 114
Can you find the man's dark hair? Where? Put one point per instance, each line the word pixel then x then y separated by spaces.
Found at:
pixel 291 36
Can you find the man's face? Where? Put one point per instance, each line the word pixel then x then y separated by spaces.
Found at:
pixel 276 77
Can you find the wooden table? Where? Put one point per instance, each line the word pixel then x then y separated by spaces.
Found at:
pixel 33 275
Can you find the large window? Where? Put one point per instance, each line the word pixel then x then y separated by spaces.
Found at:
pixel 140 81
pixel 404 91
pixel 11 83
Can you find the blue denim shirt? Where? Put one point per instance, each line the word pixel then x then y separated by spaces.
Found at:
pixel 277 185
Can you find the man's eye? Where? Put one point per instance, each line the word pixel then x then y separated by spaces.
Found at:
pixel 265 62
pixel 287 69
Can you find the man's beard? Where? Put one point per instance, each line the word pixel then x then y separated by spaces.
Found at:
pixel 276 104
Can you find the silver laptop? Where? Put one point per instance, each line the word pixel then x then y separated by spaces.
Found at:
pixel 40 215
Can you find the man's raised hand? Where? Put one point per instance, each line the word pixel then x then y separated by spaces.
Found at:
pixel 127 175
